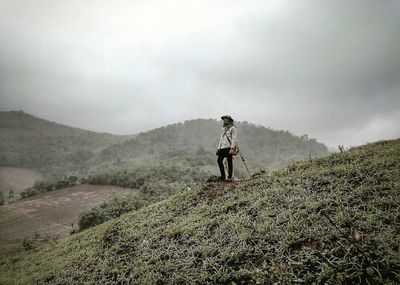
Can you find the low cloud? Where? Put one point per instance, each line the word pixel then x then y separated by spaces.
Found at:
pixel 329 69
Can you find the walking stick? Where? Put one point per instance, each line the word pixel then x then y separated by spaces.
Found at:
pixel 244 161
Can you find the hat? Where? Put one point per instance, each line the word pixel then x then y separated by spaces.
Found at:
pixel 228 117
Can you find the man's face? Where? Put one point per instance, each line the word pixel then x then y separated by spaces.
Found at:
pixel 226 120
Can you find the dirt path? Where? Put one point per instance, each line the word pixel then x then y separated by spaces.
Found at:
pixel 51 213
pixel 214 187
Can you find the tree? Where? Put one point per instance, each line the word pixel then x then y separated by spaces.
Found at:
pixel 11 195
pixel 2 199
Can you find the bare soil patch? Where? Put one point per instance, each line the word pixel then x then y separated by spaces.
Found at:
pixel 214 187
pixel 52 213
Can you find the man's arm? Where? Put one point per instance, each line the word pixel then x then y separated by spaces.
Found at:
pixel 234 137
pixel 220 140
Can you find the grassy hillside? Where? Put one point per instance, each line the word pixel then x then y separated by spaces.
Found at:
pixel 329 220
pixel 51 148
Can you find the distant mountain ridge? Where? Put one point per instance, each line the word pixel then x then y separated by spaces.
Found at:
pixel 194 143
pixel 52 148
pixel 56 150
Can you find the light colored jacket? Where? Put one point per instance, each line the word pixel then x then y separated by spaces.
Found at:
pixel 231 133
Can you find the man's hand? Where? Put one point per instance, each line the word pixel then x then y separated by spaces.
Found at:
pixel 231 151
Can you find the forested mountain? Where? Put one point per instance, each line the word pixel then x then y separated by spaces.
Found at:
pixel 56 150
pixel 53 149
pixel 194 143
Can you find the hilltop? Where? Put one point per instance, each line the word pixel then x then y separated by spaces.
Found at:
pixel 332 220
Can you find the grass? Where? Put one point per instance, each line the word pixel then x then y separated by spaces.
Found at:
pixel 331 220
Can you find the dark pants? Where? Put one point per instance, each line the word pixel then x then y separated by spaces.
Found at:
pixel 224 152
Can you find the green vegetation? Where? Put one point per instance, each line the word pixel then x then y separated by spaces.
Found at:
pixel 143 177
pixel 7 197
pixel 57 150
pixel 50 185
pixel 35 241
pixel 330 220
pixel 155 182
pixel 193 143
pixel 66 156
pixel 113 209
pixel 53 149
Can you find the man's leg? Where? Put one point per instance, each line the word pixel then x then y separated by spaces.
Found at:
pixel 221 165
pixel 230 166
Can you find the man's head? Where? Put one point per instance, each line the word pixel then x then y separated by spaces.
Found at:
pixel 227 119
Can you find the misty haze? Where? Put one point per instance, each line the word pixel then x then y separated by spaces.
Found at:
pixel 199 142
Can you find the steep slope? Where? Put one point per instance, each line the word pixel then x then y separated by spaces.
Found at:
pixel 51 148
pixel 329 220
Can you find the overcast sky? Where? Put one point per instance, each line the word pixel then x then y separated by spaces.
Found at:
pixel 326 68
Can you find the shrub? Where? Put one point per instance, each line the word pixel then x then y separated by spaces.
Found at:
pixel 2 199
pixel 49 185
pixel 112 209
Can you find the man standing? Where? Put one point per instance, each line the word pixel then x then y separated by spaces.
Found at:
pixel 226 146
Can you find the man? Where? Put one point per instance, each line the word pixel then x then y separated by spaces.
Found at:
pixel 226 146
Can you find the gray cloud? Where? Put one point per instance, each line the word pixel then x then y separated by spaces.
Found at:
pixel 330 69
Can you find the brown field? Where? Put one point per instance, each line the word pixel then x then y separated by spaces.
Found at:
pixel 17 179
pixel 50 214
